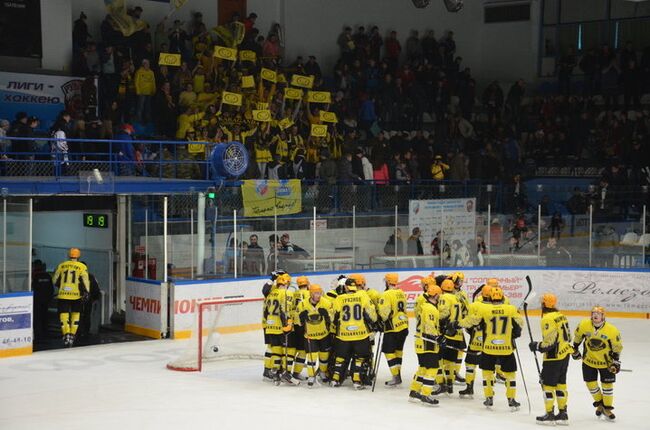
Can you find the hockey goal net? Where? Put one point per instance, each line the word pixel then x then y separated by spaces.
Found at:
pixel 223 330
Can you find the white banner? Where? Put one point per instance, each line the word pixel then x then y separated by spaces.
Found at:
pixel 146 308
pixel 16 324
pixel 624 292
pixel 452 221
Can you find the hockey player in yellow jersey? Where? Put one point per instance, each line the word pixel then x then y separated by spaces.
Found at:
pixel 353 311
pixel 424 283
pixel 499 323
pixel 268 286
pixel 315 315
pixel 392 311
pixel 452 353
pixel 427 347
pixel 299 296
pixel 556 347
pixel 278 308
pixel 71 277
pixel 601 357
pixel 458 279
pixel 373 294
pixel 475 347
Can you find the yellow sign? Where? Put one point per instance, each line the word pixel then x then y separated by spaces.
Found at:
pixel 169 59
pixel 233 99
pixel 292 93
pixel 328 117
pixel 248 81
pixel 262 115
pixel 262 105
pixel 268 197
pixel 246 55
pixel 302 81
pixel 269 75
pixel 196 148
pixel 319 97
pixel 225 53
pixel 318 130
pixel 285 123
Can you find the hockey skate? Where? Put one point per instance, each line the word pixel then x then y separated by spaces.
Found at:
pixel 599 408
pixel 562 418
pixel 429 400
pixel 311 381
pixel 513 405
pixel 267 376
pixel 287 379
pixel 414 396
pixel 396 381
pixel 297 377
pixel 467 393
pixel 607 412
pixel 548 419
pixel 459 380
pixel 488 402
pixel 359 386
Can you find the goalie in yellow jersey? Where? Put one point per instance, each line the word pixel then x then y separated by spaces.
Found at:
pixel 601 357
pixel 392 311
pixel 500 323
pixel 353 313
pixel 556 347
pixel 71 277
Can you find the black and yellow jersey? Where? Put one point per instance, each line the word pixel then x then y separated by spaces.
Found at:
pixel 600 343
pixel 556 336
pixel 278 306
pixel 72 279
pixel 315 318
pixel 451 310
pixel 496 322
pixel 427 328
pixel 352 311
pixel 392 310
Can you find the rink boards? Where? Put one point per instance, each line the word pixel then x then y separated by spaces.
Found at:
pixel 154 309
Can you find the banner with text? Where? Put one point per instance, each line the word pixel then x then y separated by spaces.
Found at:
pixel 146 308
pixel 452 221
pixel 264 197
pixel 16 324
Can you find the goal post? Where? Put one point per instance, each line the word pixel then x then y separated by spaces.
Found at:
pixel 228 329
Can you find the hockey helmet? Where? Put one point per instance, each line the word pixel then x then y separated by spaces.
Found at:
pixel 496 294
pixel 549 300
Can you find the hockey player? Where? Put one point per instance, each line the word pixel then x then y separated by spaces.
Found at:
pixel 373 294
pixel 278 307
pixel 315 316
pixel 452 353
pixel 353 312
pixel 424 283
pixel 268 356
pixel 475 348
pixel 601 357
pixel 556 347
pixel 427 347
pixel 298 330
pixel 458 278
pixel 74 286
pixel 392 311
pixel 499 323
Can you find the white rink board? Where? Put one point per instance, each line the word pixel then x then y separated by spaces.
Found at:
pixel 577 290
pixel 146 308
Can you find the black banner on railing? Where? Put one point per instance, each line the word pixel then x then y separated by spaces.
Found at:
pixel 20 28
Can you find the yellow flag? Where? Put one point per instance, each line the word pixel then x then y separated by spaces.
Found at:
pixel 318 130
pixel 328 117
pixel 248 81
pixel 269 75
pixel 225 53
pixel 285 123
pixel 246 55
pixel 292 93
pixel 302 81
pixel 195 148
pixel 319 97
pixel 269 198
pixel 262 115
pixel 169 59
pixel 282 79
pixel 233 99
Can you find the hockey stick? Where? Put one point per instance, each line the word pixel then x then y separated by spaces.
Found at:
pixel 377 360
pixel 530 335
pixel 523 379
pixel 477 291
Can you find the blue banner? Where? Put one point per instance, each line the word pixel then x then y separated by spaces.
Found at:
pixel 15 321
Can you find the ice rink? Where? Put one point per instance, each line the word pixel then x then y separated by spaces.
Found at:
pixel 126 386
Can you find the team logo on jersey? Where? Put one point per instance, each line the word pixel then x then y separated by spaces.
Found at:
pixel 352 328
pixel 596 345
pixel 498 342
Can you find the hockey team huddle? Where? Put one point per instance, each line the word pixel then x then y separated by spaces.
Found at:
pixel 334 335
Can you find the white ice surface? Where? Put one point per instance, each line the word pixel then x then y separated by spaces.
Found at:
pixel 126 386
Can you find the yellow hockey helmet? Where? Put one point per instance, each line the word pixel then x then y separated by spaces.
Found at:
pixel 486 292
pixel 426 282
pixel 359 279
pixel 391 278
pixel 302 281
pixel 284 279
pixel 599 310
pixel 433 290
pixel 496 294
pixel 549 300
pixel 447 285
pixel 315 288
pixel 492 282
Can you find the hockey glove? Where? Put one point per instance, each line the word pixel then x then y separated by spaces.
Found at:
pixel 451 329
pixel 615 367
pixel 533 346
pixel 288 327
pixel 576 352
pixel 323 312
pixel 516 331
pixel 304 315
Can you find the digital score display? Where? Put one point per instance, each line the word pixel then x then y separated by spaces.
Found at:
pixel 96 220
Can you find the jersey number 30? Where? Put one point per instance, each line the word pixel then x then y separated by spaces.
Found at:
pixel 356 312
